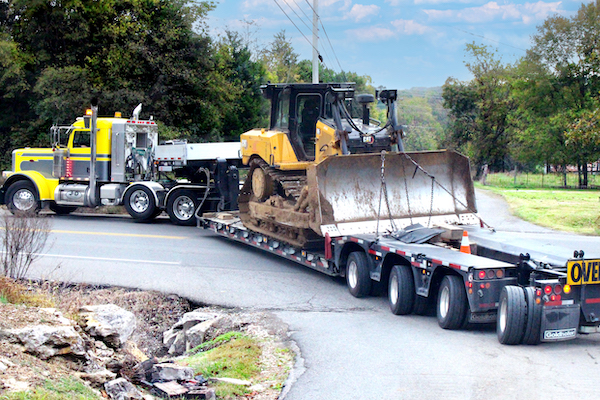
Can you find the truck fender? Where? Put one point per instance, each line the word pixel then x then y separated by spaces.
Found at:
pixel 44 186
pixel 156 188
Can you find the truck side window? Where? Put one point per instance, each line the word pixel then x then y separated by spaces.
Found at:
pixel 81 139
pixel 283 108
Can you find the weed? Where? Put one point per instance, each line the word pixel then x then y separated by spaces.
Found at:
pixel 14 292
pixel 218 341
pixel 237 358
pixel 64 389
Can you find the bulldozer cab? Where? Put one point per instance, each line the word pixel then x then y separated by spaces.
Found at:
pixel 296 109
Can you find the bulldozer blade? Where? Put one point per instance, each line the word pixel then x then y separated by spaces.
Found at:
pixel 417 184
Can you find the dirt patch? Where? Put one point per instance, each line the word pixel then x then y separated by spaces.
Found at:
pixel 155 313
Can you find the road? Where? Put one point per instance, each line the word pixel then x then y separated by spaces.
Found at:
pixel 351 348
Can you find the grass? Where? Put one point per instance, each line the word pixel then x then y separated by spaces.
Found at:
pixel 15 293
pixel 576 211
pixel 63 389
pixel 236 358
pixel 216 342
pixel 538 180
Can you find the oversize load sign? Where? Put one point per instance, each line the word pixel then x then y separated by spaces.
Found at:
pixel 583 272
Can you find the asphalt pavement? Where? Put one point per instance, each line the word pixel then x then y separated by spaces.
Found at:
pixel 350 348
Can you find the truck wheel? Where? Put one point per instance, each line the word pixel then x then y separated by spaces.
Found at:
pixel 533 323
pixel 61 210
pixel 401 290
pixel 140 204
pixel 21 196
pixel 357 274
pixel 452 303
pixel 181 207
pixel 511 315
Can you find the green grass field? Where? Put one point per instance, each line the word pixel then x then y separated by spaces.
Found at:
pixel 576 211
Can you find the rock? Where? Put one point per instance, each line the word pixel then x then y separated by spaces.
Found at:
pixel 170 389
pixel 13 385
pixel 203 393
pixel 58 315
pixel 178 344
pixel 97 378
pixel 196 334
pixel 185 322
pixel 49 341
pixel 171 372
pixel 122 389
pixel 109 322
pixel 143 371
pixel 233 381
pixel 3 367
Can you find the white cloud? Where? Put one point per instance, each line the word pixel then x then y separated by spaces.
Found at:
pixel 381 33
pixel 527 13
pixel 359 12
pixel 373 34
pixel 410 27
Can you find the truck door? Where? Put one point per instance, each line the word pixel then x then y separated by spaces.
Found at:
pixel 78 164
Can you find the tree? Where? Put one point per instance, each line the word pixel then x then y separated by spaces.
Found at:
pixel 281 60
pixel 583 140
pixel 479 109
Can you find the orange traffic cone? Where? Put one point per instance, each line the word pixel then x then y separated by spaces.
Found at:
pixel 465 246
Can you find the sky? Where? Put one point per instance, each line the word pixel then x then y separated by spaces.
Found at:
pixel 400 44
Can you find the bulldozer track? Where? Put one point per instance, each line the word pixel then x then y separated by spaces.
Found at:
pixel 288 185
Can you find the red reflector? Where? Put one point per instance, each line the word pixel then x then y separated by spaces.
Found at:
pixel 548 289
pixel 469 284
pixel 482 286
pixel 491 274
pixel 558 289
pixel 481 274
pixel 538 292
pixel 553 298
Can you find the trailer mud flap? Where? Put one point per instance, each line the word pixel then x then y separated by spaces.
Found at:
pixel 560 322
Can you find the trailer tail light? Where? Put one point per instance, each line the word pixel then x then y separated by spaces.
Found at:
pixel 567 289
pixel 491 274
pixel 538 292
pixel 558 289
pixel 548 289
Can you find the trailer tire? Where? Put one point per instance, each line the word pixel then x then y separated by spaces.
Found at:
pixel 22 197
pixel 181 207
pixel 422 305
pixel 358 277
pixel 452 303
pixel 140 204
pixel 533 323
pixel 61 210
pixel 511 315
pixel 401 290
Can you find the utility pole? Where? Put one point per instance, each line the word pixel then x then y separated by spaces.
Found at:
pixel 315 61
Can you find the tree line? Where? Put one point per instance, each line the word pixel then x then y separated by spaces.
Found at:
pixel 55 56
pixel 543 110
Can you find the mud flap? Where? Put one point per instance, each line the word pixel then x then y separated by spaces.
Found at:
pixel 560 322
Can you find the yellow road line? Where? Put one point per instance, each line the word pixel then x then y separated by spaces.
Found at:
pixel 119 234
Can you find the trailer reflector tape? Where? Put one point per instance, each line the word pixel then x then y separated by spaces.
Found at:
pixel 592 301
pixel 385 248
pixel 433 260
pixel 415 264
pixel 455 266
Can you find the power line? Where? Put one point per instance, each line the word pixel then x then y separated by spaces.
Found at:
pixel 492 40
pixel 296 26
pixel 327 36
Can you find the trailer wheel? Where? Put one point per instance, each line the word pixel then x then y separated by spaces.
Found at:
pixel 21 196
pixel 357 274
pixel 452 303
pixel 140 204
pixel 511 315
pixel 61 210
pixel 533 323
pixel 181 207
pixel 401 293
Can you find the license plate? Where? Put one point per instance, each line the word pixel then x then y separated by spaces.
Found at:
pixel 583 272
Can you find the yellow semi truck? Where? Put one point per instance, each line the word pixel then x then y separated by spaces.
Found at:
pixel 118 161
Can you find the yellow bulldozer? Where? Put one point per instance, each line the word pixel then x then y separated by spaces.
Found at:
pixel 319 170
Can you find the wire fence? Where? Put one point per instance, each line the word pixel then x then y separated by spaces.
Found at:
pixel 540 181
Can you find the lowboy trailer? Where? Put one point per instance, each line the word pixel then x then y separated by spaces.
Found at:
pixel 532 296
